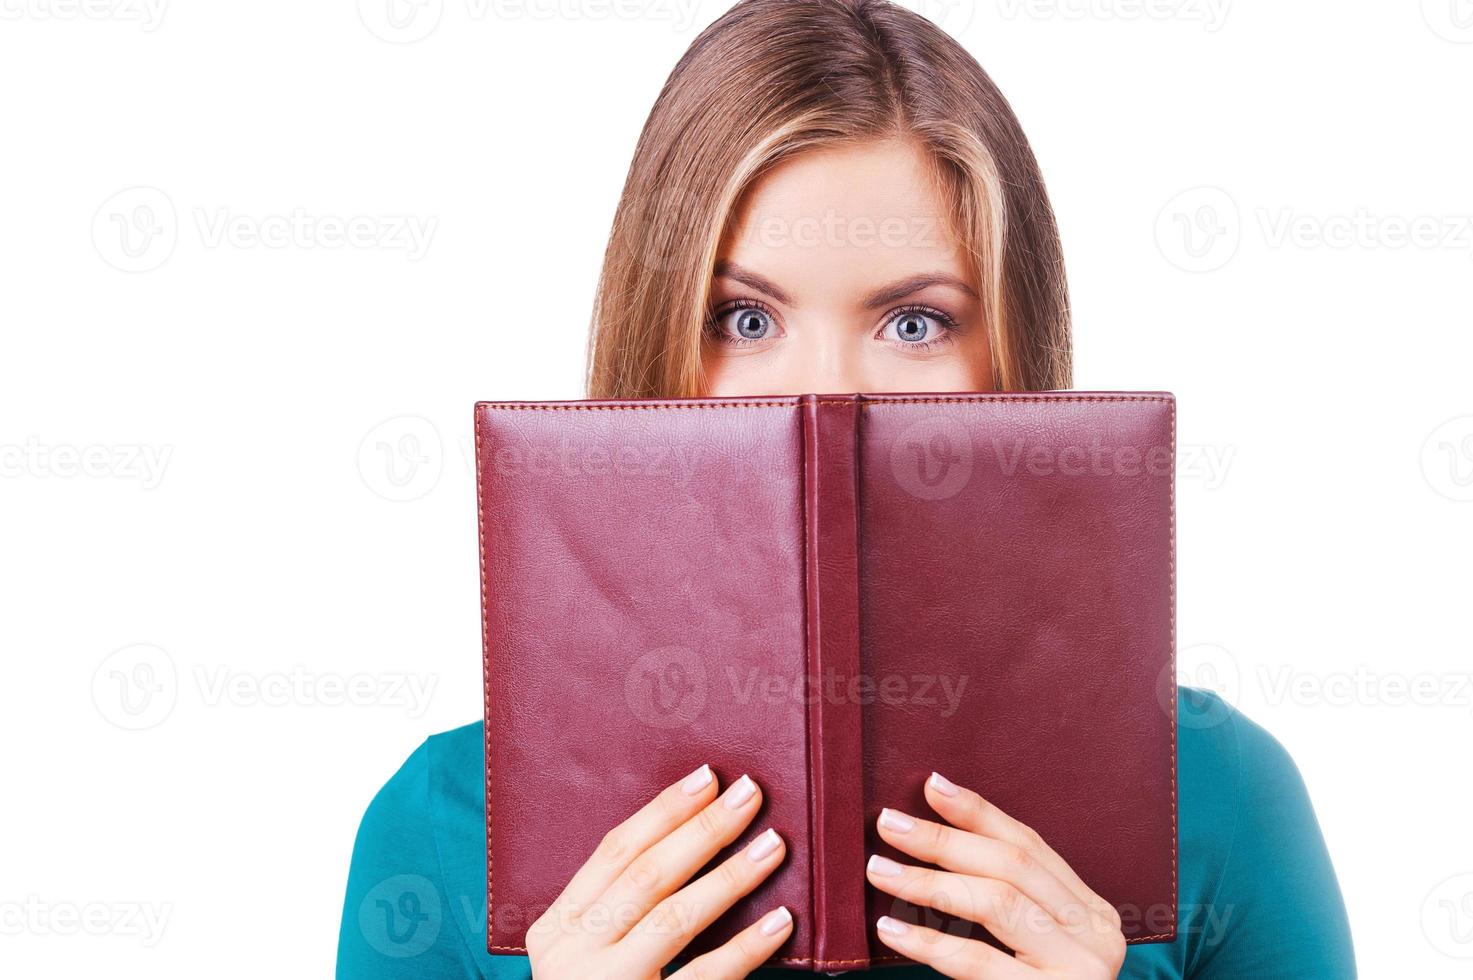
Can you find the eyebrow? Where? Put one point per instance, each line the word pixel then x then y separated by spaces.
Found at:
pixel 747 277
pixel 886 295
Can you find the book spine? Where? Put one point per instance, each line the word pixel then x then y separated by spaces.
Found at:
pixel 831 569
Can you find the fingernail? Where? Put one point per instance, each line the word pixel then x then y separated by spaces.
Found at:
pixel 764 844
pixel 893 926
pixel 896 821
pixel 883 866
pixel 775 921
pixel 740 792
pixel 943 785
pixel 696 781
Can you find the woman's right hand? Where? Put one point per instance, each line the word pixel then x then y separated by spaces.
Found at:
pixel 632 907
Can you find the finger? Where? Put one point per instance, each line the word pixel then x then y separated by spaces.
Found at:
pixel 952 956
pixel 969 811
pixel 1011 916
pixel 671 861
pixel 971 854
pixel 674 922
pixel 674 805
pixel 744 952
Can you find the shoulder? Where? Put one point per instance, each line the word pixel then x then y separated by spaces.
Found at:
pixel 1257 888
pixel 416 884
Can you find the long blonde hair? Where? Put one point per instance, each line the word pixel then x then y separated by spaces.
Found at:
pixel 772 78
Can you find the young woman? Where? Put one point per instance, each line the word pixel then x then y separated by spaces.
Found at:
pixel 831 196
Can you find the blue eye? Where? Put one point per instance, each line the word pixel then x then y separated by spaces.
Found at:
pixel 743 324
pixel 912 327
pixel 918 328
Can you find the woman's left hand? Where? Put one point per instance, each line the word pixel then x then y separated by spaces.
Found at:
pixel 1000 874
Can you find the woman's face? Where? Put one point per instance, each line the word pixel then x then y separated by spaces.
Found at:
pixel 839 274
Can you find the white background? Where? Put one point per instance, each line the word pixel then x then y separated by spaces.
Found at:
pixel 208 437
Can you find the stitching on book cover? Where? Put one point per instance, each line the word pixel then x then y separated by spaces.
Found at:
pixel 965 399
pixel 485 684
pixel 804 434
pixel 1172 565
pixel 652 407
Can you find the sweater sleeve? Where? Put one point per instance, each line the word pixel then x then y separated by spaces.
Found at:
pixel 397 918
pixel 1277 911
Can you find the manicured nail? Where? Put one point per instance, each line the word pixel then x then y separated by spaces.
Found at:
pixel 884 867
pixel 740 792
pixel 775 921
pixel 896 821
pixel 764 844
pixel 943 785
pixel 696 781
pixel 893 926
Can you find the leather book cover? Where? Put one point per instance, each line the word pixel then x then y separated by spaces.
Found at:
pixel 836 594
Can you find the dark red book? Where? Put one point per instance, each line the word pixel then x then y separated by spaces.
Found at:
pixel 837 594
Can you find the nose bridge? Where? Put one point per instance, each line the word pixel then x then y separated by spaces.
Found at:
pixel 836 356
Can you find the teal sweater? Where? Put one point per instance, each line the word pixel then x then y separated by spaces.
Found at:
pixel 1258 897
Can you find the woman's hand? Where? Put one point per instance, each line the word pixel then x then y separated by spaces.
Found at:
pixel 629 910
pixel 999 874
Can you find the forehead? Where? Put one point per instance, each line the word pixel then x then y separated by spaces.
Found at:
pixel 846 214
